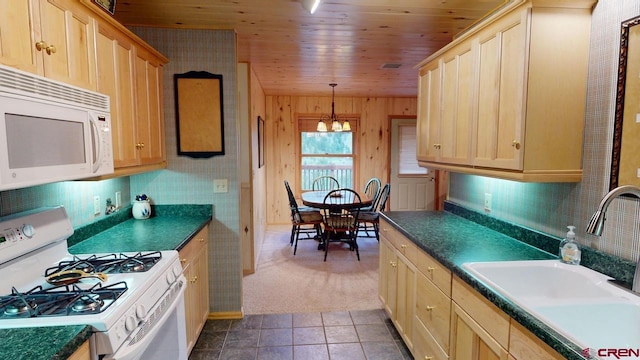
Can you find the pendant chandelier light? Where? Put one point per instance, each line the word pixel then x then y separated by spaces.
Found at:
pixel 310 5
pixel 336 124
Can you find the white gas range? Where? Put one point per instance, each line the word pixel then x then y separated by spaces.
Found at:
pixel 133 301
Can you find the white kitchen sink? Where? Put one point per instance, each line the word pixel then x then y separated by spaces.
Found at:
pixel 576 301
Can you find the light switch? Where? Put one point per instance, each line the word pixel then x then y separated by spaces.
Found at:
pixel 220 186
pixel 487 202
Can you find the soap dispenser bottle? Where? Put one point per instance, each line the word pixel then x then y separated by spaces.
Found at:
pixel 569 248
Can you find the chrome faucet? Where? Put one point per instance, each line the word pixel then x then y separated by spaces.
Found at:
pixel 597 221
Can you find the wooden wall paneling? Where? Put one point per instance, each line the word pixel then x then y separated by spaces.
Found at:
pixel 282 143
pixel 374 135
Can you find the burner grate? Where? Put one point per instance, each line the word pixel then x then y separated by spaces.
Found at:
pixel 60 300
pixel 108 264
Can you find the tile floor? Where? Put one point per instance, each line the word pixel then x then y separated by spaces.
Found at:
pixel 348 335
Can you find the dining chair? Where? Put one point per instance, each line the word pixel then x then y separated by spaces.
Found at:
pixel 340 219
pixel 307 221
pixel 370 220
pixel 372 190
pixel 325 182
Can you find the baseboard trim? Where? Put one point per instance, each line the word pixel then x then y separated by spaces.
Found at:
pixel 225 315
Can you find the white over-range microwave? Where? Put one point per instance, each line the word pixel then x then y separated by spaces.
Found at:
pixel 51 131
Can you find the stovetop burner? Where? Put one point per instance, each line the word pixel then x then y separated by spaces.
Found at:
pixel 109 264
pixel 60 300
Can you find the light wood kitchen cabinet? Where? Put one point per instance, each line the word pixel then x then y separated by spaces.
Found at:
pixel 429 104
pixel 433 309
pixel 450 319
pixel 196 300
pixel 82 353
pixel 433 312
pixel 479 330
pixel 53 38
pixel 130 72
pixel 447 121
pixel 150 114
pixel 399 275
pixel 524 345
pixel 116 79
pixel 387 277
pixel 415 291
pixel 527 88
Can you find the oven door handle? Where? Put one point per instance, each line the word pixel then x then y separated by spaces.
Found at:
pixel 135 351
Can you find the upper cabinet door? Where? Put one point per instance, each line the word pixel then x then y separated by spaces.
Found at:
pixel 115 78
pixel 501 94
pixel 150 114
pixel 457 105
pixel 429 112
pixel 68 37
pixel 17 48
pixel 519 78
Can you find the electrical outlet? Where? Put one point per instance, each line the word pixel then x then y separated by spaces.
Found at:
pixel 220 186
pixel 487 202
pixel 96 205
pixel 118 199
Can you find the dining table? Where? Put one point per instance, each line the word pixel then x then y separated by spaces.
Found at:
pixel 316 199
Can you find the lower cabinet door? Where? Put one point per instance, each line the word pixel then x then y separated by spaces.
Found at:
pixel 425 346
pixel 469 341
pixel 405 305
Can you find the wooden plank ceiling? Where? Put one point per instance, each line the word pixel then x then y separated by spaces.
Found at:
pixel 346 41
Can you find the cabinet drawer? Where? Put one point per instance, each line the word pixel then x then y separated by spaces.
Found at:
pixel 193 247
pixel 433 308
pixel 493 320
pixel 524 345
pixel 404 246
pixel 434 271
pixel 424 345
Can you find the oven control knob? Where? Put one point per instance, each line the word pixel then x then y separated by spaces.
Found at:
pixel 170 277
pixel 130 323
pixel 28 230
pixel 177 270
pixel 141 312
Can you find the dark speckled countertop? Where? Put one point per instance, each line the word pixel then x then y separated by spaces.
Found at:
pixel 56 342
pixel 454 240
pixel 169 228
pixel 153 234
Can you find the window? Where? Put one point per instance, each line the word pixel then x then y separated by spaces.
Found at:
pixel 326 153
pixel 407 162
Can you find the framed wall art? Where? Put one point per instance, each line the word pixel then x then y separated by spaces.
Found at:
pixel 260 142
pixel 199 114
pixel 108 5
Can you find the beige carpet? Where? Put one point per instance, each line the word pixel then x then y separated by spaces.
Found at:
pixel 284 283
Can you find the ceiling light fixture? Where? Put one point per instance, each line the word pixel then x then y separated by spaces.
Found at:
pixel 310 5
pixel 336 124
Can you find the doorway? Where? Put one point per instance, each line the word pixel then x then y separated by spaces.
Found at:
pixel 412 186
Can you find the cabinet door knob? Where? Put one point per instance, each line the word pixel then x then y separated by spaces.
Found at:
pixel 393 264
pixel 404 246
pixel 41 45
pixel 430 269
pixel 428 358
pixel 516 144
pixel 183 261
pixel 50 49
pixel 429 308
